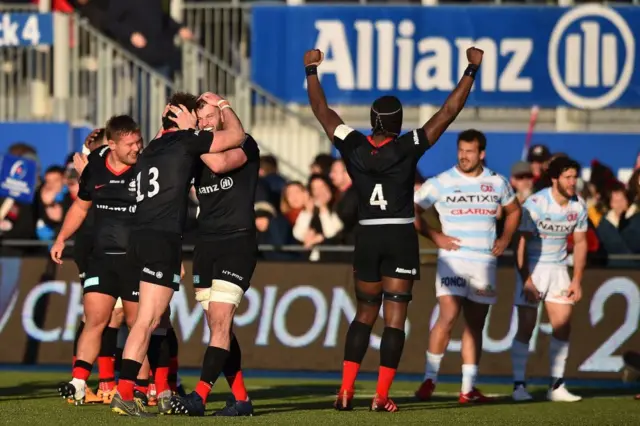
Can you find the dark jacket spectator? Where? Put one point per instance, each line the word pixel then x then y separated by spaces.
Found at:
pixel 346 201
pixel 271 179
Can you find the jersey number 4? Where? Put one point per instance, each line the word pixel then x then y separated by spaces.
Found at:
pixel 154 186
pixel 377 197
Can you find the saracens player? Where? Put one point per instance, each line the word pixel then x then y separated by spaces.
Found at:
pixel 468 198
pixel 386 259
pixel 224 259
pixel 106 183
pixel 164 174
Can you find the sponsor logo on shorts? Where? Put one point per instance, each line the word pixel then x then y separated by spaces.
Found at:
pixel 90 282
pixel 196 279
pixel 158 274
pixel 453 282
pixel 176 278
pixel 489 291
pixel 406 271
pixel 233 275
pixel 135 293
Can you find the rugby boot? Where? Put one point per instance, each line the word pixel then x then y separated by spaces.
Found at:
pixel 133 408
pixel 425 390
pixel 142 397
pixel 235 408
pixel 68 391
pixel 381 404
pixel 91 398
pixel 475 396
pixel 520 393
pixel 562 394
pixel 190 405
pixel 107 395
pixel 180 390
pixel 164 405
pixel 344 401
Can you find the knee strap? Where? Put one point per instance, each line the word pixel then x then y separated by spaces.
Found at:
pixel 370 299
pixel 397 297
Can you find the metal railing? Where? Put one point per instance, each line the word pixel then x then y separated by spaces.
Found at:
pixel 279 129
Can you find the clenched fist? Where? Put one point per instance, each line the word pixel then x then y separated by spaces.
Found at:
pixel 474 55
pixel 313 57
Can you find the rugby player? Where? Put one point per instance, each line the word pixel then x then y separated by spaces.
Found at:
pixel 105 184
pixel 468 198
pixel 224 259
pixel 164 174
pixel 549 217
pixel 386 259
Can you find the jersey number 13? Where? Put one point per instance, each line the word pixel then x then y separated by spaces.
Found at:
pixel 377 197
pixel 154 186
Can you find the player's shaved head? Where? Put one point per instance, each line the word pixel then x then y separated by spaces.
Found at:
pixel 180 98
pixel 386 116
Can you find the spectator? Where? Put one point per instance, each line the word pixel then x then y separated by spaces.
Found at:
pixel 273 182
pixel 346 201
pixel 49 203
pixel 144 28
pixel 318 224
pixel 294 198
pixel 95 11
pixel 273 229
pixel 19 221
pixel 321 165
pixel 522 180
pixel 539 157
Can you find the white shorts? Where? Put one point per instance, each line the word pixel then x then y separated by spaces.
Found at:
pixel 552 281
pixel 472 280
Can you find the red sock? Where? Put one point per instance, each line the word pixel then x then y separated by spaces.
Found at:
pixel 385 379
pixel 143 389
pixel 203 389
pixel 106 367
pixel 236 383
pixel 125 389
pixel 173 374
pixel 161 380
pixel 81 372
pixel 349 373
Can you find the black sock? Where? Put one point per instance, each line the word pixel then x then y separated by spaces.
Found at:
pixel 234 361
pixel 75 340
pixel 129 370
pixel 516 384
pixel 143 383
pixel 214 361
pixel 156 344
pixel 556 382
pixel 109 342
pixel 391 346
pixel 118 366
pixel 357 342
pixel 172 339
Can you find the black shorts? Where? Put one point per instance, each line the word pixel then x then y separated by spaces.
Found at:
pixel 156 257
pixel 82 248
pixel 114 275
pixel 229 258
pixel 386 251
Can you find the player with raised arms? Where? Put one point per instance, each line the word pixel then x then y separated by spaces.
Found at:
pixel 382 167
pixel 468 198
pixel 549 217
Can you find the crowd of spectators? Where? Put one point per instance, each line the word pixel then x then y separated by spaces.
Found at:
pixel 322 211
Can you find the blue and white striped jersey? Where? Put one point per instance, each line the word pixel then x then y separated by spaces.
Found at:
pixel 467 207
pixel 550 223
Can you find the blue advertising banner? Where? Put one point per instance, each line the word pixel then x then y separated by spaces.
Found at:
pixel 585 57
pixel 18 178
pixel 26 29
pixel 617 151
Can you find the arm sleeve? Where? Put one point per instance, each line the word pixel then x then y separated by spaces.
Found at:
pixel 583 221
pixel 427 195
pixel 529 217
pixel 251 150
pixel 200 143
pixel 506 195
pixel 416 141
pixel 345 138
pixel 84 184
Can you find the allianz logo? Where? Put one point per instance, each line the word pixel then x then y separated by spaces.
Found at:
pixel 583 53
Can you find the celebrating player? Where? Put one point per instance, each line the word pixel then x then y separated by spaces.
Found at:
pixel 105 185
pixel 164 173
pixel 382 167
pixel 224 260
pixel 467 197
pixel 549 216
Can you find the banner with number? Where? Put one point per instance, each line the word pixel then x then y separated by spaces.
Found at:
pixel 585 56
pixel 26 29
pixel 295 317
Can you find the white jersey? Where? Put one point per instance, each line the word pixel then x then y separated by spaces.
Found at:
pixel 467 207
pixel 550 223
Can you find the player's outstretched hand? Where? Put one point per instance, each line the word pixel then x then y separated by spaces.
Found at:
pixel 575 291
pixel 80 161
pixel 56 251
pixel 474 55
pixel 313 57
pixel 184 118
pixel 531 293
pixel 499 246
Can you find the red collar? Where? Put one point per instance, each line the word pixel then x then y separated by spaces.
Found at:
pixel 112 170
pixel 381 144
pixel 162 133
